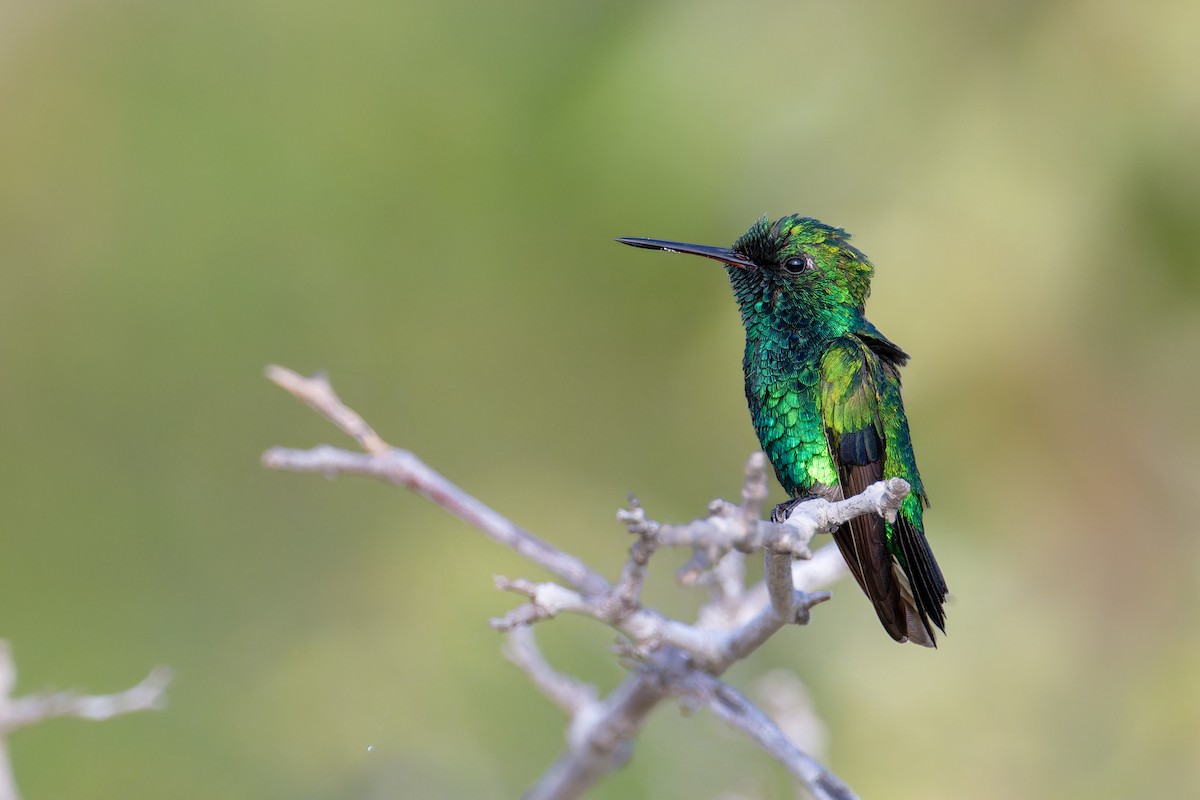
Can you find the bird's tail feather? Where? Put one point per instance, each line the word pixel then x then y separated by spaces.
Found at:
pixel 905 605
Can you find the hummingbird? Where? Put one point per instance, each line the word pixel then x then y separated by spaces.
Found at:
pixel 823 386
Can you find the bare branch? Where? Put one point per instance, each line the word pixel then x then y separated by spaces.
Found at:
pixel 669 657
pixel 646 628
pixel 777 572
pixel 740 642
pixel 786 699
pixel 725 529
pixel 754 490
pixel 732 706
pixel 599 740
pixel 24 711
pixel 883 498
pixel 628 591
pixel 825 568
pixel 402 468
pixel 729 572
pixel 570 695
pixel 319 395
pixel 18 713
pixel 148 695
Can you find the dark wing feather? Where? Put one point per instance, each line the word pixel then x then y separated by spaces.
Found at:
pixel 848 408
pixel 863 543
pixel 904 599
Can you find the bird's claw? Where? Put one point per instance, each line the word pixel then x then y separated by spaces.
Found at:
pixel 780 513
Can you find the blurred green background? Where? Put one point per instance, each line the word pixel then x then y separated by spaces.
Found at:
pixel 419 198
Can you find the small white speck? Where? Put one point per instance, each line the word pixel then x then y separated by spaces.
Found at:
pixel 370 748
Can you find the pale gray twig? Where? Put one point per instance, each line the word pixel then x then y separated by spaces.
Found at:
pixel 825 568
pixel 646 628
pixel 402 468
pixel 787 701
pixel 319 395
pixel 572 696
pixel 729 573
pixel 732 706
pixel 21 712
pixel 599 740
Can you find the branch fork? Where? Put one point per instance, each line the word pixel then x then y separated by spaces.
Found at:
pixel 669 658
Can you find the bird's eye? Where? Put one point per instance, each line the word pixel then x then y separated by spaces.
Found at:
pixel 798 264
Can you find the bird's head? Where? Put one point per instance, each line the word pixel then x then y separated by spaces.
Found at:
pixel 795 263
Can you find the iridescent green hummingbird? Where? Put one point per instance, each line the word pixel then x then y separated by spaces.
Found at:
pixel 823 386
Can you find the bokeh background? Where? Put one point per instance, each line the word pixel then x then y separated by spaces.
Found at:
pixel 419 198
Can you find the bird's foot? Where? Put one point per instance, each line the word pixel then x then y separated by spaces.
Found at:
pixel 780 513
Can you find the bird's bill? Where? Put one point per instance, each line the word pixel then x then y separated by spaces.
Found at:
pixel 722 254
